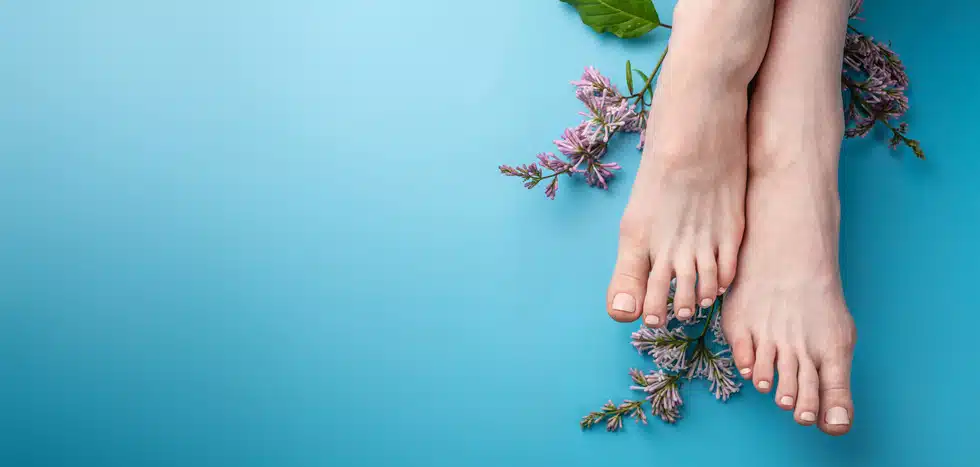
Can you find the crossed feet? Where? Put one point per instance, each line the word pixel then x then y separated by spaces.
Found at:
pixel 732 194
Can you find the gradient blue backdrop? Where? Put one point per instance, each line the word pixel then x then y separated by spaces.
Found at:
pixel 257 233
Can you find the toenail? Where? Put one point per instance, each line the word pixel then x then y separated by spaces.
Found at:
pixel 837 416
pixel 721 290
pixel 684 313
pixel 763 384
pixel 808 417
pixel 706 303
pixel 652 320
pixel 745 371
pixel 786 400
pixel 624 302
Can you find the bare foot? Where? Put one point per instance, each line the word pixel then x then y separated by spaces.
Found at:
pixel 786 311
pixel 685 216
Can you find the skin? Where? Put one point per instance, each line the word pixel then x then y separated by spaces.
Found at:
pixel 740 196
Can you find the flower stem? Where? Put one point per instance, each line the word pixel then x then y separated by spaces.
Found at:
pixel 649 82
pixel 707 322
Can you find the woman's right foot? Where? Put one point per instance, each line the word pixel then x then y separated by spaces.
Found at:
pixel 686 213
pixel 786 312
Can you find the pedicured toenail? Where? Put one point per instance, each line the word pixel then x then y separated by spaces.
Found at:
pixel 786 400
pixel 837 416
pixel 652 320
pixel 721 290
pixel 763 384
pixel 624 302
pixel 808 417
pixel 706 303
pixel 684 313
pixel 745 371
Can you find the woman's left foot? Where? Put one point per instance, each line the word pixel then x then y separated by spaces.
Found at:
pixel 786 311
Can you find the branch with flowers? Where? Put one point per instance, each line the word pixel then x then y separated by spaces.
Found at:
pixel 873 83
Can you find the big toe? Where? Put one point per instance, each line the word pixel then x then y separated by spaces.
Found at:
pixel 836 406
pixel 624 300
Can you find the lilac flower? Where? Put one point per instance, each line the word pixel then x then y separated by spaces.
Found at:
pixel 576 144
pixel 667 347
pixel 615 423
pixel 855 8
pixel 641 127
pixel 875 80
pixel 552 189
pixel 593 84
pixel 552 163
pixel 662 392
pixel 717 369
pixel 530 173
pixel 606 116
pixel 717 331
pixel 597 173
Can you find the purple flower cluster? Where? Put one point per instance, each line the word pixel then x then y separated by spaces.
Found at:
pixel 874 81
pixel 583 146
pixel 678 357
pixel 663 393
pixel 668 347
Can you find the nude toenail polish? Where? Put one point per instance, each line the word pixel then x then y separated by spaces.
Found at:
pixel 652 320
pixel 808 417
pixel 745 371
pixel 684 313
pixel 763 384
pixel 786 400
pixel 706 303
pixel 721 290
pixel 624 302
pixel 837 416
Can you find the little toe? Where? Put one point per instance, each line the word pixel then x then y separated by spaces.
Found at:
pixel 707 279
pixel 727 263
pixel 655 302
pixel 624 300
pixel 787 366
pixel 808 387
pixel 835 395
pixel 684 296
pixel 762 372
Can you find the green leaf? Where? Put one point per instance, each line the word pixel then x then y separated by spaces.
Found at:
pixel 643 75
pixel 623 18
pixel 629 76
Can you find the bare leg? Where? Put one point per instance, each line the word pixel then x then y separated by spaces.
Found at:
pixel 786 312
pixel 687 210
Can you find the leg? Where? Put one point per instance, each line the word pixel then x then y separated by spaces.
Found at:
pixel 786 312
pixel 686 213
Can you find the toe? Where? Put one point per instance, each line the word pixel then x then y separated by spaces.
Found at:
pixel 786 365
pixel 658 289
pixel 835 395
pixel 808 387
pixel 742 351
pixel 624 300
pixel 727 263
pixel 707 279
pixel 762 372
pixel 684 296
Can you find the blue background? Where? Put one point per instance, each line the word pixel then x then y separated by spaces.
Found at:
pixel 254 233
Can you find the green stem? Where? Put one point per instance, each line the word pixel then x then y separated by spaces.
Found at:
pixel 649 82
pixel 716 307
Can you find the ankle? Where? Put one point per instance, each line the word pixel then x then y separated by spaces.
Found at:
pixel 724 40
